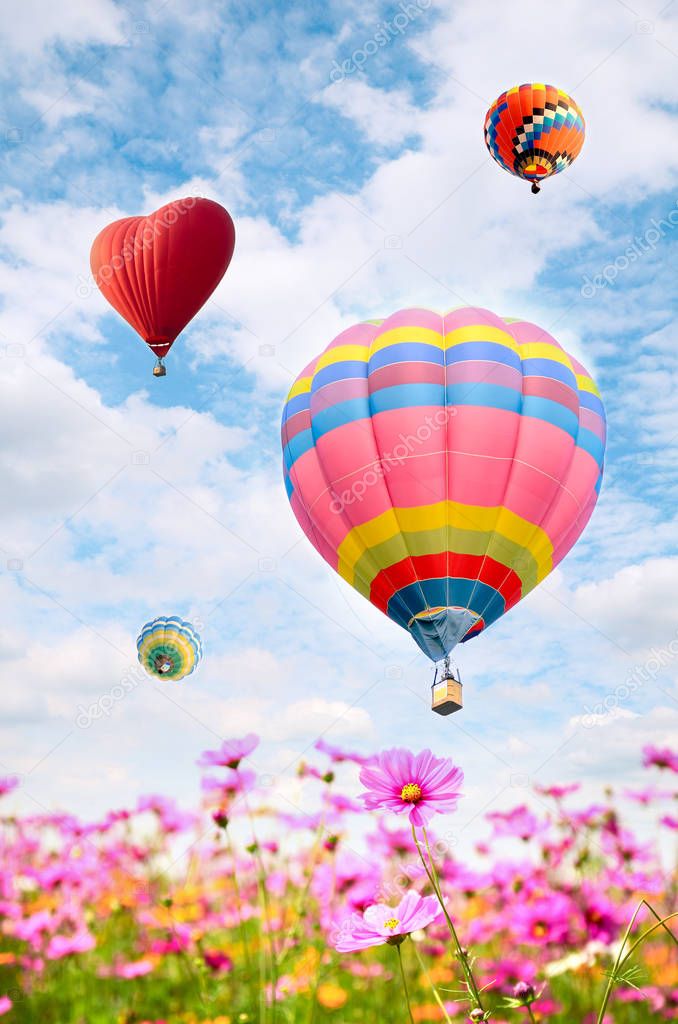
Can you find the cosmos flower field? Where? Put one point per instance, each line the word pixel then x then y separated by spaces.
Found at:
pixel 354 910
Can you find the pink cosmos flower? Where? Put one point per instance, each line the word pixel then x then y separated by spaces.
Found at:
pixel 235 785
pixel 381 924
pixel 391 843
pixel 217 961
pixel 546 918
pixel 7 784
pixel 309 771
pixel 603 919
pixel 419 785
pixel 648 795
pixel 341 804
pixel 660 758
pixel 350 878
pixel 134 968
pixel 519 821
pixel 5 1005
pixel 338 756
pixel 558 792
pixel 230 753
pixel 170 816
pixel 66 945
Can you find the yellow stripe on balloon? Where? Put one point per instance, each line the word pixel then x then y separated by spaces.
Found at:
pixel 162 637
pixel 458 336
pixel 587 384
pixel 341 354
pixel 480 332
pixel 361 538
pixel 300 387
pixel 405 335
pixel 462 541
pixel 496 520
pixel 181 643
pixel 148 644
pixel 544 350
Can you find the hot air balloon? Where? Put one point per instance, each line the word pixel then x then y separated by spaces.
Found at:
pixel 169 648
pixel 443 465
pixel 534 131
pixel 158 271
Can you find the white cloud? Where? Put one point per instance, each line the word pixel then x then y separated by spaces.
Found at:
pixel 290 648
pixel 639 602
pixel 383 116
pixel 316 715
pixel 35 24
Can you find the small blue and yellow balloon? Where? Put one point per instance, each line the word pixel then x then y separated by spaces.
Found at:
pixel 169 648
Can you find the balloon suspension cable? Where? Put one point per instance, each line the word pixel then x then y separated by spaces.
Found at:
pixel 159 370
pixel 535 189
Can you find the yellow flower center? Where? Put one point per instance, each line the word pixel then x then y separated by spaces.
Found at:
pixel 411 793
pixel 392 923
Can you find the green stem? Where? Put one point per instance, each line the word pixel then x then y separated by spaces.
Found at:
pixel 402 975
pixel 302 901
pixel 533 1019
pixel 185 959
pixel 436 994
pixel 641 938
pixel 661 923
pixel 432 875
pixel 238 902
pixel 266 914
pixel 264 923
pixel 611 979
pixel 623 957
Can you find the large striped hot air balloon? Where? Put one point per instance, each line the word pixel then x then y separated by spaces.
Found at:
pixel 169 648
pixel 443 465
pixel 534 131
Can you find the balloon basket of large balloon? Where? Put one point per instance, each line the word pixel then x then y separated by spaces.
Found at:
pixel 446 697
pixel 535 189
pixel 159 370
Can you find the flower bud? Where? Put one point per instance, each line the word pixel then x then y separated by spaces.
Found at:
pixel 525 992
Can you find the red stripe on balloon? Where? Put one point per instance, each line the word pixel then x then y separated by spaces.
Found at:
pixel 445 564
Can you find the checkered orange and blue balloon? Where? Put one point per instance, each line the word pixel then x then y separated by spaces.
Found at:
pixel 534 131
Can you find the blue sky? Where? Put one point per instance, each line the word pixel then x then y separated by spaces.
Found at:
pixel 354 193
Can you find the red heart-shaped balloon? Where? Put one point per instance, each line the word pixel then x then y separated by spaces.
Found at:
pixel 158 271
